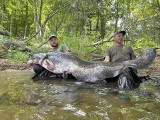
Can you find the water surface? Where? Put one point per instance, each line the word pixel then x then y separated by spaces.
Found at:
pixel 23 99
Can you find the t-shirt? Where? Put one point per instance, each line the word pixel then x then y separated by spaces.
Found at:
pixel 61 48
pixel 119 53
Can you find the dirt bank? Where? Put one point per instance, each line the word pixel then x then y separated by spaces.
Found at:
pixel 152 70
pixel 16 65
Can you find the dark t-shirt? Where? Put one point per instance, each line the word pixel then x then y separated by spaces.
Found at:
pixel 119 53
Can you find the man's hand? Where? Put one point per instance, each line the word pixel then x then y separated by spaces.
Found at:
pixel 107 59
pixel 31 62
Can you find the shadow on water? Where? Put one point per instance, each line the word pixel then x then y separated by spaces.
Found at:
pixel 22 99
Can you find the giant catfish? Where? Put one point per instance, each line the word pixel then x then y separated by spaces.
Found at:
pixel 90 71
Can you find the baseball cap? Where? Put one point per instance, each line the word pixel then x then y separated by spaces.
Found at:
pixel 52 36
pixel 123 32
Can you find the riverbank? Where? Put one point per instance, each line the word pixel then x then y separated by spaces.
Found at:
pixel 152 70
pixel 7 64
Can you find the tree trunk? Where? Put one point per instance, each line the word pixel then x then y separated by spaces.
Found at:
pixel 158 4
pixel 35 17
pixel 46 21
pixel 10 26
pixel 103 31
pixel 39 21
pixel 116 16
pixel 25 28
pixel 97 23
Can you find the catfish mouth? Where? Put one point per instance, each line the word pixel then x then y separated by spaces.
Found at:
pixel 47 64
pixel 50 65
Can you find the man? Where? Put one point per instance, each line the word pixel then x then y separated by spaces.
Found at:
pixel 119 53
pixel 38 69
pixel 53 40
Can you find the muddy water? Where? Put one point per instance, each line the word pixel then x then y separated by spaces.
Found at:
pixel 23 99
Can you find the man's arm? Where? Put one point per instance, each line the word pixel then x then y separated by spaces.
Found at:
pixel 31 62
pixel 65 48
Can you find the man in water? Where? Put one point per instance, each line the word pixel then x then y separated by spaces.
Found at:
pixel 38 69
pixel 119 53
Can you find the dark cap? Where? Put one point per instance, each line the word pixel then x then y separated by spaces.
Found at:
pixel 123 32
pixel 52 36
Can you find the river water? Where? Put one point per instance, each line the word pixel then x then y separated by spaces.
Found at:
pixel 23 99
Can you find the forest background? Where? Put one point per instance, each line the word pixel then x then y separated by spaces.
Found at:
pixel 85 26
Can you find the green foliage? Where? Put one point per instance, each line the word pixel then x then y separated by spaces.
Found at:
pixel 142 43
pixel 83 22
pixel 17 54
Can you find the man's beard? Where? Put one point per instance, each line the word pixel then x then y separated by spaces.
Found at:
pixel 54 45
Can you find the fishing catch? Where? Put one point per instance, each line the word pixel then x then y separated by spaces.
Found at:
pixel 89 71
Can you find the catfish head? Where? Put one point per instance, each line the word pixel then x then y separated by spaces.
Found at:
pixel 36 58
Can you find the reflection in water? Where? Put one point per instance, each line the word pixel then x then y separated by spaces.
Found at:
pixel 22 99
